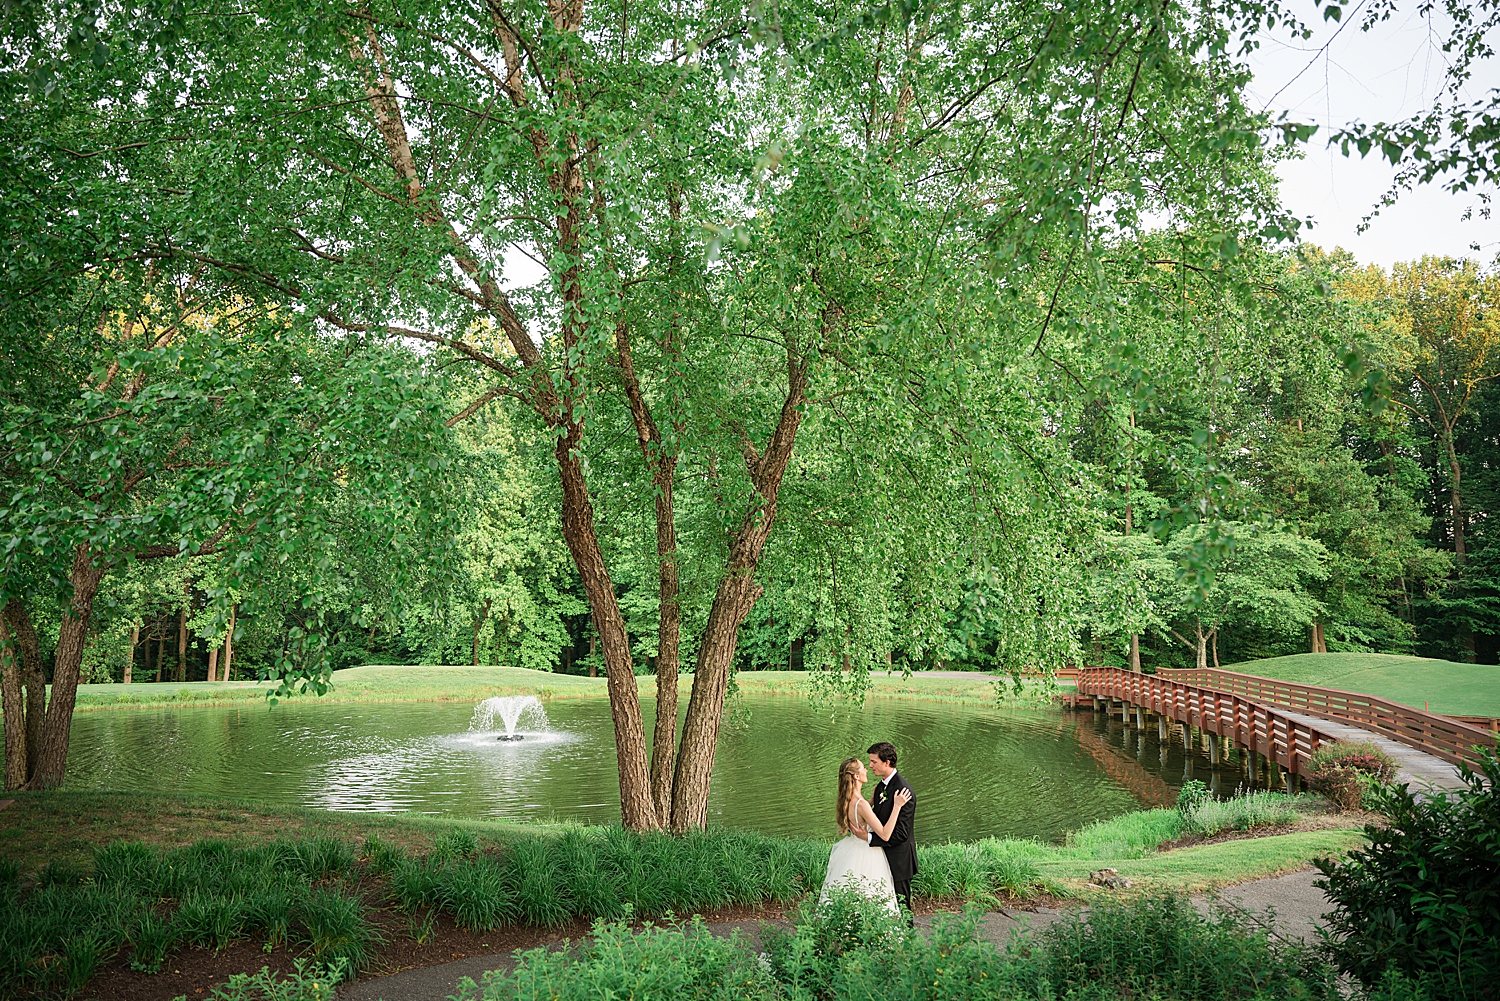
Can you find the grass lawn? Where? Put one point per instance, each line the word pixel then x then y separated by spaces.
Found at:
pixel 380 683
pixel 1204 867
pixel 1442 685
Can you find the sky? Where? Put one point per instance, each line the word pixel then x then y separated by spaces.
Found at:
pixel 1342 75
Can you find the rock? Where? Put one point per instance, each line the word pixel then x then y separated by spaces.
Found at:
pixel 1109 878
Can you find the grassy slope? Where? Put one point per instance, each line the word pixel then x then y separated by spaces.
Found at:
pixel 1447 687
pixel 377 683
pixel 39 827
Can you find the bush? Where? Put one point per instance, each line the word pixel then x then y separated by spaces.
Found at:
pixel 1424 898
pixel 1340 771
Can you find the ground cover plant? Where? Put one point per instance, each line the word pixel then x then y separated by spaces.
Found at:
pixel 1157 947
pixel 1423 899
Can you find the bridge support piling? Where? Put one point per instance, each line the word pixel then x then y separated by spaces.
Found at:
pixel 1213 748
pixel 1140 717
pixel 1161 729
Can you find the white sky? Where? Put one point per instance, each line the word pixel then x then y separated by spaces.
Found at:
pixel 1392 71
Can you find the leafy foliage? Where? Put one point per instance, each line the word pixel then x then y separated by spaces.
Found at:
pixel 1424 898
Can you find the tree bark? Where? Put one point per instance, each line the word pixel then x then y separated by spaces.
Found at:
pixel 213 663
pixel 181 674
pixel 637 810
pixel 1319 644
pixel 1135 652
pixel 14 711
pixel 229 645
pixel 52 759
pixel 32 677
pixel 479 620
pixel 1202 648
pixel 735 597
pixel 135 641
pixel 1455 502
pixel 662 462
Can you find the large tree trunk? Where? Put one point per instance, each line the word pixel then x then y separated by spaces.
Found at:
pixel 1135 652
pixel 32 677
pixel 637 811
pixel 229 646
pixel 52 759
pixel 135 641
pixel 1455 501
pixel 12 710
pixel 735 597
pixel 213 663
pixel 479 620
pixel 181 672
pixel 663 465
pixel 1319 644
pixel 1202 650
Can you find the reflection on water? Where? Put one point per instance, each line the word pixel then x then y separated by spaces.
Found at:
pixel 977 772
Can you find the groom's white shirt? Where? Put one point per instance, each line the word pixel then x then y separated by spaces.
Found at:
pixel 869 837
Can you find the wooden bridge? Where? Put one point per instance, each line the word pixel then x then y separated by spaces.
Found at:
pixel 1278 724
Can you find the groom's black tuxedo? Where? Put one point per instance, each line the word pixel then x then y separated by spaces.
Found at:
pixel 901 846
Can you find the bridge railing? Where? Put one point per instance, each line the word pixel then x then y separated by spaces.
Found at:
pixel 1246 722
pixel 1442 736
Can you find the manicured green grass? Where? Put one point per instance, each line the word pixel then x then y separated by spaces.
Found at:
pixel 1441 685
pixel 438 683
pixel 1209 866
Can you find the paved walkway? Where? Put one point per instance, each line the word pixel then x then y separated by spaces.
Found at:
pixel 1296 903
pixel 1417 768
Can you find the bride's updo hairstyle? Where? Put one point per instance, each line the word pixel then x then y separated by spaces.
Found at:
pixel 848 784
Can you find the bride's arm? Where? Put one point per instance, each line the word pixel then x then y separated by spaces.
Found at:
pixel 883 831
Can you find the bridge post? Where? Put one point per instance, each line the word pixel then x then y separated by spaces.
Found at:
pixel 1161 728
pixel 1213 748
pixel 1140 717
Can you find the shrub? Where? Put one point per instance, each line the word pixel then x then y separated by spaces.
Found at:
pixel 474 892
pixel 1192 793
pixel 1340 771
pixel 1424 897
pixel 1160 946
pixel 662 963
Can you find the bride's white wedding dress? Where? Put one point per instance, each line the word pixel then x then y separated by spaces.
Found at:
pixel 854 864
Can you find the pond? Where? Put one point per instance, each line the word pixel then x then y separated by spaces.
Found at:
pixel 978 772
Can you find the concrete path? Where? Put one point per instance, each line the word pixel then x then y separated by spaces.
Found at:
pixel 1417 768
pixel 1298 906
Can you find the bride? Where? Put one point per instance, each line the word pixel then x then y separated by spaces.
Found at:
pixel 853 862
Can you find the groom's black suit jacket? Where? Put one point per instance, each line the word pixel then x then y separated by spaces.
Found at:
pixel 901 846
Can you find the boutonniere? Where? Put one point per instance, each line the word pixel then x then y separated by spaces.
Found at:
pixel 881 797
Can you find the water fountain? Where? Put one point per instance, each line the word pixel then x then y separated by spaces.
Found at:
pixel 509 710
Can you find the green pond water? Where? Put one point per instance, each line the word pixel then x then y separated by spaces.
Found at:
pixel 977 772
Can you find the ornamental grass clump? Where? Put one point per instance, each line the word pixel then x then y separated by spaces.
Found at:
pixel 1342 770
pixel 1207 817
pixel 149 903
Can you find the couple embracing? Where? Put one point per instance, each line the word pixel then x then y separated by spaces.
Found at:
pixel 879 855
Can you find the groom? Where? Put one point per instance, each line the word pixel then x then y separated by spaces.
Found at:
pixel 900 847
